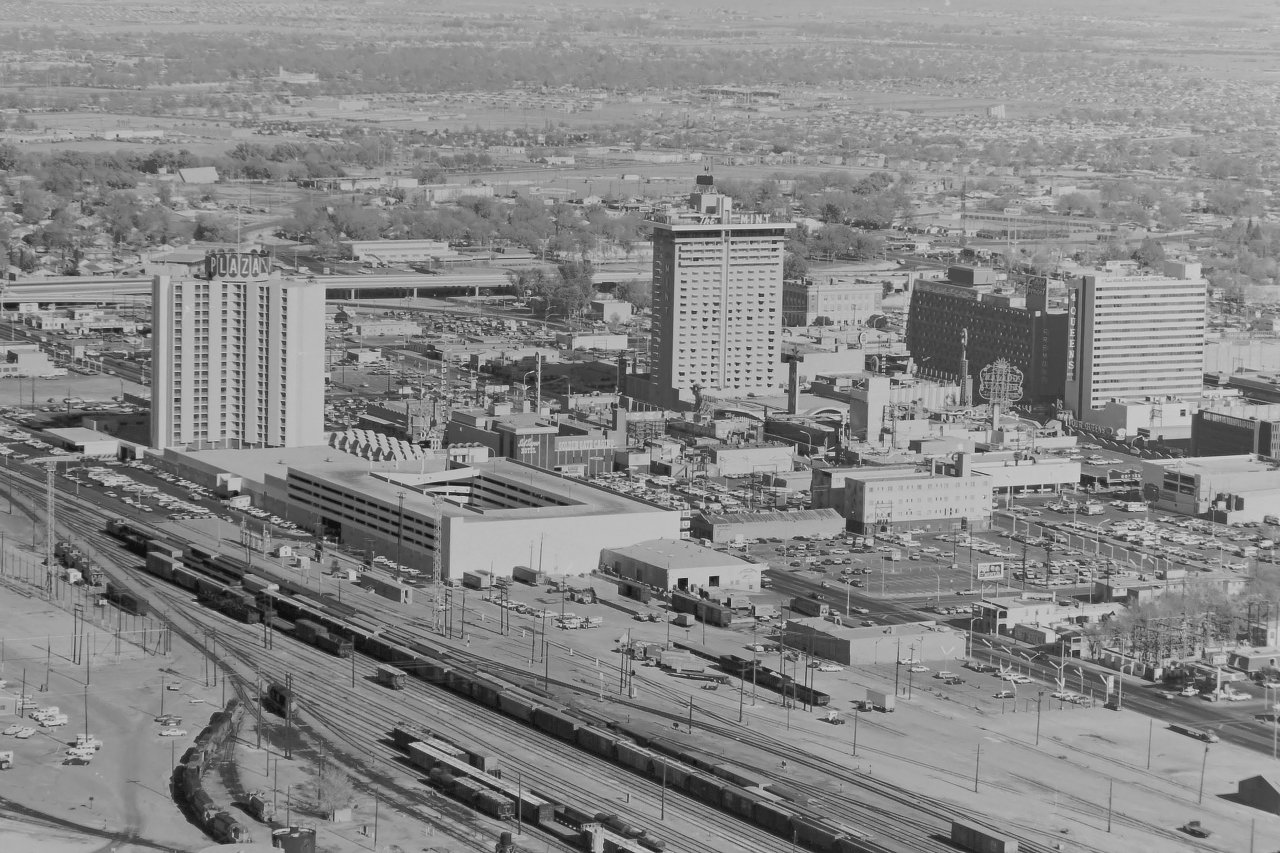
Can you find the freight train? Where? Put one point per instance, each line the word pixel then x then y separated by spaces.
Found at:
pixel 188 782
pixel 454 771
pixel 778 811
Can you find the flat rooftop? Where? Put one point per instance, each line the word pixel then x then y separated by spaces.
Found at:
pixel 80 435
pixel 1215 465
pixel 677 553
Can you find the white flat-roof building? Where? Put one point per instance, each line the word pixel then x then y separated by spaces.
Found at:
pixel 678 564
pixel 238 359
pixel 87 442
pixel 1227 488
pixel 1134 337
pixel 886 499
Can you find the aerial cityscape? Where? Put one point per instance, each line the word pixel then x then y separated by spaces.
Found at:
pixel 835 427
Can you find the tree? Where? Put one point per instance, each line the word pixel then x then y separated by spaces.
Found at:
pixel 794 266
pixel 120 214
pixel 333 789
pixel 37 204
pixel 575 288
pixel 1077 203
pixel 1150 253
pixel 639 292
pixel 215 229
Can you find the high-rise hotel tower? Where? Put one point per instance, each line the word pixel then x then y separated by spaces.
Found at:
pixel 238 358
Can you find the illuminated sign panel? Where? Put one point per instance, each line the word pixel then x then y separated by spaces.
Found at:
pixel 236 266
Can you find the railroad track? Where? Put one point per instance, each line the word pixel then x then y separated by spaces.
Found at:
pixel 898 808
pixel 191 622
pixel 242 642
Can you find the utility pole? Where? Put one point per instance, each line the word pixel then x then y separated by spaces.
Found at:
pixel 49 529
pixel 288 716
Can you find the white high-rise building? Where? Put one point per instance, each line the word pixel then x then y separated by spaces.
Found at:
pixel 1133 337
pixel 238 358
pixel 717 301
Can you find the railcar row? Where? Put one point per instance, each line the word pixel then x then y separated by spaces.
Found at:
pixel 760 675
pixel 776 810
pixel 188 781
pixel 449 769
pixel 72 557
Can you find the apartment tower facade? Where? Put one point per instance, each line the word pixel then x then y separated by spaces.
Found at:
pixel 717 301
pixel 238 358
pixel 1133 337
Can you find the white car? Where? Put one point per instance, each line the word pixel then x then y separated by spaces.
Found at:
pixel 12 730
pixel 173 733
pixel 24 732
pixel 830 667
pixel 908 662
pixel 919 668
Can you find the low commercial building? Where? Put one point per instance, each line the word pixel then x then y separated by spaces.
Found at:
pixel 1134 590
pixel 729 527
pixel 674 564
pixel 829 301
pixel 610 310
pixel 831 639
pixel 592 340
pixel 87 442
pixel 1017 472
pixel 385 328
pixel 396 251
pixel 1253 429
pixel 1229 488
pixel 21 359
pixel 570 447
pixel 1000 614
pixel 746 460
pixel 884 500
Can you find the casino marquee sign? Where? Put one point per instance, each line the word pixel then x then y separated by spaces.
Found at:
pixel 237 266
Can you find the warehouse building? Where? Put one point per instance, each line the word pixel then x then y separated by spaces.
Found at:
pixel 829 639
pixel 730 527
pixel 673 564
pixel 434 514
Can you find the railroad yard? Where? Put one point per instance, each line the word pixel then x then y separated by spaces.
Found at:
pixel 912 771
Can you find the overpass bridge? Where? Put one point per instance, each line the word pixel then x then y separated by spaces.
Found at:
pixel 348 288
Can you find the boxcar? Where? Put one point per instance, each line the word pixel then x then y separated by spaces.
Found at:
pixel 816 833
pixel 485 689
pixel 774 818
pixel 637 758
pixel 185 578
pixel 706 788
pixel 734 799
pixel 515 705
pixel 389 676
pixel 599 742
pixel 970 836
pixel 495 805
pixel 466 789
pixel 553 722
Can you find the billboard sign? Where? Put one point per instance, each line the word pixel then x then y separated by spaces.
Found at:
pixel 236 266
pixel 990 571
